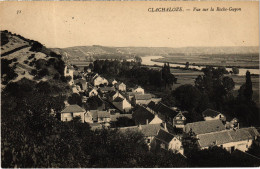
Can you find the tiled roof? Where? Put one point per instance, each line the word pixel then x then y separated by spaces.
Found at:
pixel 203 127
pixel 141 114
pixel 106 88
pixel 165 110
pixel 210 112
pixel 143 96
pixel 117 115
pixel 118 99
pixel 103 114
pixel 96 114
pixel 151 105
pixel 73 108
pixel 226 136
pixel 149 130
pixel 133 93
pixel 112 93
pixel 165 136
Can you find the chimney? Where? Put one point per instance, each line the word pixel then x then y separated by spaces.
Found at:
pixel 139 126
pixel 147 121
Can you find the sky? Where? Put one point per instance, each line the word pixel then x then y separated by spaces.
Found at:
pixel 67 24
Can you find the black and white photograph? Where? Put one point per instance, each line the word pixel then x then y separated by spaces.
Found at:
pixel 130 84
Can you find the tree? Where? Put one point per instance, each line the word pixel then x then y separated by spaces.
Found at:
pixel 187 97
pixel 124 122
pixel 75 99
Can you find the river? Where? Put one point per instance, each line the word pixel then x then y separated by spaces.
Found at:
pixel 147 60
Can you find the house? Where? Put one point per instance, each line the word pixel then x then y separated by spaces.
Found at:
pixel 93 92
pixel 210 114
pixel 82 83
pixel 122 104
pixel 114 94
pixel 98 80
pixel 168 141
pixel 114 82
pixel 172 116
pixel 231 140
pixel 121 87
pixel 203 127
pixel 130 95
pixel 149 131
pixel 142 116
pixel 138 89
pixel 142 99
pixel 71 111
pixel 97 116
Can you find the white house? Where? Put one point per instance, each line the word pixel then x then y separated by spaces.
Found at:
pixel 96 116
pixel 142 116
pixel 114 82
pixel 114 94
pixel 138 89
pixel 168 141
pixel 122 104
pixel 72 111
pixel 100 80
pixel 142 99
pixel 210 114
pixel 231 140
pixel 121 86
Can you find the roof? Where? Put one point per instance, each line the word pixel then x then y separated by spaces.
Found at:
pixel 72 108
pixel 106 88
pixel 133 93
pixel 164 136
pixel 227 136
pixel 141 114
pixel 165 110
pixel 151 105
pixel 210 112
pixel 143 96
pixel 136 87
pixel 118 99
pixel 103 114
pixel 99 114
pixel 203 127
pixel 148 130
pixel 247 159
pixel 117 115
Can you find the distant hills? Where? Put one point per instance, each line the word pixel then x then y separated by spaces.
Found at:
pixel 96 51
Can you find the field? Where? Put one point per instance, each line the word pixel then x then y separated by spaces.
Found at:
pixel 189 76
pixel 227 60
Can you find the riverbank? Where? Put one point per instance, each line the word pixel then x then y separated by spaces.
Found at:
pixel 201 64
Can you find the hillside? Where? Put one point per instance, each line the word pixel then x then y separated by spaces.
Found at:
pixel 25 58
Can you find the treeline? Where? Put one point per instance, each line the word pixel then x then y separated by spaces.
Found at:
pixel 214 90
pixel 135 72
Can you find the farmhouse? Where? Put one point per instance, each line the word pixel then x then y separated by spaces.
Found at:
pixel 121 87
pixel 96 116
pixel 231 140
pixel 167 114
pixel 98 80
pixel 203 127
pixel 72 111
pixel 122 104
pixel 143 116
pixel 142 99
pixel 138 89
pixel 168 141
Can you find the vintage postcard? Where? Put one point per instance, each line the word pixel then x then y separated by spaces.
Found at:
pixel 158 84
